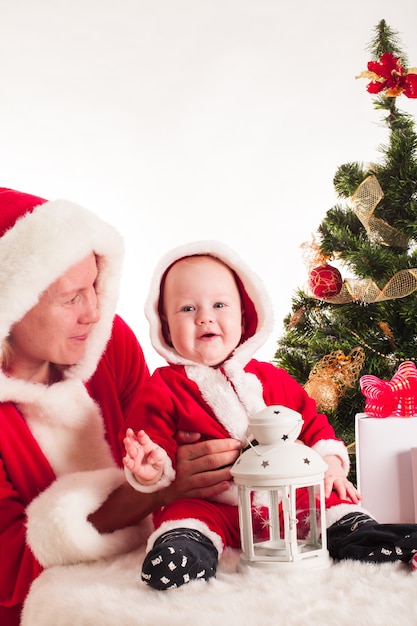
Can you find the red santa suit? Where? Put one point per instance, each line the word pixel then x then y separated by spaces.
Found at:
pixel 60 453
pixel 217 402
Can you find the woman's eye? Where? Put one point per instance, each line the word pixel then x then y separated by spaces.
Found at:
pixel 73 300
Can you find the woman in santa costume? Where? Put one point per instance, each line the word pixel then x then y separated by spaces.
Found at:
pixel 209 313
pixel 69 371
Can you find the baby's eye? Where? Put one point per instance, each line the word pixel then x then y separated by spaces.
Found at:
pixel 219 305
pixel 188 307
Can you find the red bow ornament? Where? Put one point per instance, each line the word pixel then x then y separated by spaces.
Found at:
pixel 397 397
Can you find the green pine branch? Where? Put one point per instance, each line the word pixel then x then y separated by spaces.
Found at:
pixel 386 330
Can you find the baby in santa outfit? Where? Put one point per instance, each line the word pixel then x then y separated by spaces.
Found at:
pixel 208 314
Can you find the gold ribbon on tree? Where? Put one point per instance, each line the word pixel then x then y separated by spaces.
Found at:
pixel 403 283
pixel 365 200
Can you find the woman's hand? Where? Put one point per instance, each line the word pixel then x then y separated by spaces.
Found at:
pixel 335 480
pixel 203 467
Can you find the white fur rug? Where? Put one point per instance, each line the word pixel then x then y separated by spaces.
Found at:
pixel 110 593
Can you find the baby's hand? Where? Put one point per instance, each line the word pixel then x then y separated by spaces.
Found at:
pixel 336 480
pixel 144 458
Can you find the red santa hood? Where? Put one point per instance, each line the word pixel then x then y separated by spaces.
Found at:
pixel 39 241
pixel 255 301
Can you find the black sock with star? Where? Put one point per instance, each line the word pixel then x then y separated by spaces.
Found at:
pixel 358 536
pixel 177 557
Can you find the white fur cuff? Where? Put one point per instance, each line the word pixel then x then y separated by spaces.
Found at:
pixel 326 447
pixel 335 513
pixel 166 479
pixel 58 531
pixel 190 522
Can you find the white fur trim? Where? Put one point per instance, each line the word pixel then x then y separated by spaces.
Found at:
pixel 233 398
pixel 43 245
pixel 58 531
pixel 65 421
pixel 248 387
pixel 190 522
pixel 254 287
pixel 219 394
pixel 326 447
pixel 335 513
pixel 166 479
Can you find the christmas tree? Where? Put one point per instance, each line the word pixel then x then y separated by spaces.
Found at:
pixel 359 313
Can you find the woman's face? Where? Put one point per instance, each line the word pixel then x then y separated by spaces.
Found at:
pixel 56 329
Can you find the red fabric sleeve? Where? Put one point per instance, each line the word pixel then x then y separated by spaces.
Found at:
pixel 24 472
pixel 170 402
pixel 117 382
pixel 281 388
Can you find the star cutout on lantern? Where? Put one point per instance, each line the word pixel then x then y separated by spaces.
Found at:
pixel 265 464
pixel 305 518
pixel 257 512
pixel 307 461
pixel 265 523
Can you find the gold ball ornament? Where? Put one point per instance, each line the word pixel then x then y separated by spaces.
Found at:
pixel 325 392
pixel 332 375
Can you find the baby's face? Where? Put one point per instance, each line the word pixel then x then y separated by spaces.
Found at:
pixel 203 310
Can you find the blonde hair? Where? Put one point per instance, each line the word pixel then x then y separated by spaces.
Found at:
pixel 6 354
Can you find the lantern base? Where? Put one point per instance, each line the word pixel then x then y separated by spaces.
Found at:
pixel 313 561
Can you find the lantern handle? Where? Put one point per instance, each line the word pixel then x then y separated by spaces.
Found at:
pixel 289 437
pixel 254 443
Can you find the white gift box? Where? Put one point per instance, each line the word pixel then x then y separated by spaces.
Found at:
pixel 384 466
pixel 414 468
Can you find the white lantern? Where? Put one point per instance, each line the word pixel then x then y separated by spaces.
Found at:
pixel 281 495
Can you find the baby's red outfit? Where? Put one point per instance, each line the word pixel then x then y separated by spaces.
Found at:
pixel 217 402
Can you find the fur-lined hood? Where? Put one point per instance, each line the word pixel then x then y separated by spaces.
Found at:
pixel 255 301
pixel 41 240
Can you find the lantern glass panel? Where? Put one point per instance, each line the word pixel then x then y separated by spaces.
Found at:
pixel 285 521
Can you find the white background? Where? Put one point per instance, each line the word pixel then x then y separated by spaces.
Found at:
pixel 179 120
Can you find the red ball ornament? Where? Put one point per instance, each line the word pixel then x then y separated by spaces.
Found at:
pixel 325 281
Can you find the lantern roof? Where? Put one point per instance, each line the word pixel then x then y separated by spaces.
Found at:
pixel 282 464
pixel 277 458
